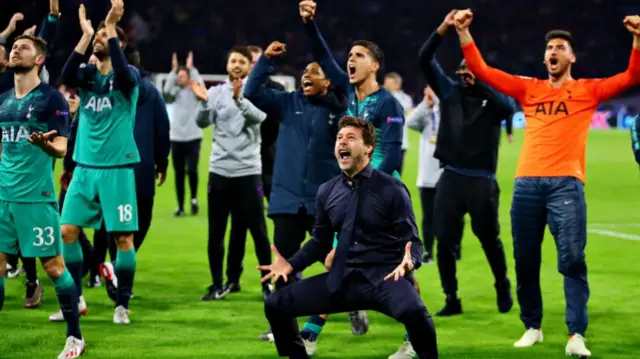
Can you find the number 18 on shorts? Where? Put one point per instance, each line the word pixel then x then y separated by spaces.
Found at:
pixel 34 228
pixel 97 194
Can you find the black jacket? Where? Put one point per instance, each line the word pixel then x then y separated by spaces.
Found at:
pixel 471 117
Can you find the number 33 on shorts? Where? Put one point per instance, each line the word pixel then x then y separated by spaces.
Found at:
pixel 44 236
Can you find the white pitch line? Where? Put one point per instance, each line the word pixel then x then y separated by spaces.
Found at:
pixel 604 232
pixel 615 225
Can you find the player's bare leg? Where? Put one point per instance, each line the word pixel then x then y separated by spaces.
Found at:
pixel 125 270
pixel 68 298
pixel 3 269
pixel 73 260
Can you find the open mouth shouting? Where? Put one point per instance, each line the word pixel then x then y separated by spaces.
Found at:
pixel 307 85
pixel 352 70
pixel 345 156
pixel 553 63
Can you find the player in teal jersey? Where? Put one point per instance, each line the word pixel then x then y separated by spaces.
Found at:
pixel 365 99
pixel 34 120
pixel 103 183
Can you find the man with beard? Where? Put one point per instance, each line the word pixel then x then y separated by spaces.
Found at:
pixel 549 185
pixel 151 133
pixel 48 32
pixel 308 127
pixel 468 183
pixel 34 120
pixel 378 246
pixel 103 187
pixel 235 170
pixel 366 99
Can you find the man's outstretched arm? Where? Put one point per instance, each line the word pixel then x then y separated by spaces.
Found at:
pixel 511 85
pixel 71 75
pixel 320 49
pixel 607 88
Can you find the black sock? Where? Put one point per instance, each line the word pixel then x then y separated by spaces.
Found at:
pixel 30 272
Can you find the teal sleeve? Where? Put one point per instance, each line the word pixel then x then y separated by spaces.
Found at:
pixel 335 240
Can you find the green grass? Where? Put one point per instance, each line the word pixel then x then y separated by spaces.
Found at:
pixel 169 321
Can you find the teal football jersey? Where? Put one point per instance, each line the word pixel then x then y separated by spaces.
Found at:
pixel 26 171
pixel 106 122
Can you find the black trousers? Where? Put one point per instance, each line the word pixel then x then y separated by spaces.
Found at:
pixel 240 197
pixel 427 200
pixel 311 296
pixel 290 230
pixel 457 195
pixel 185 157
pixel 103 241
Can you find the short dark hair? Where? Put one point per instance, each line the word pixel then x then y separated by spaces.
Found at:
pixel 121 35
pixel 254 49
pixel 368 131
pixel 185 69
pixel 39 43
pixel 561 34
pixel 242 50
pixel 375 50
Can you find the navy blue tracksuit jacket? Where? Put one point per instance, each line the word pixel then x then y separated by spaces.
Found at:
pixel 305 145
pixel 151 133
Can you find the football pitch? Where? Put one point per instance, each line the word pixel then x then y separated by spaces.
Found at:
pixel 169 320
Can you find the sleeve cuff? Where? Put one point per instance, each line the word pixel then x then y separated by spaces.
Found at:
pixel 53 18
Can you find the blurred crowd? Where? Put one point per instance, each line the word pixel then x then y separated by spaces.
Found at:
pixel 510 33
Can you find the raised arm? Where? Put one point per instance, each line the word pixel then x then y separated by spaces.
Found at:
pixel 170 88
pixel 11 27
pixel 435 75
pixel 607 88
pixel 320 49
pixel 404 222
pixel 51 24
pixel 205 111
pixel 511 85
pixel 391 128
pixel 321 242
pixel 257 90
pixel 72 74
pixel 126 77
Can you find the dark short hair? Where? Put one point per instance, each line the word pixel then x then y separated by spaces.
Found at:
pixel 38 43
pixel 561 34
pixel 375 50
pixel 185 69
pixel 368 131
pixel 242 50
pixel 121 35
pixel 254 49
